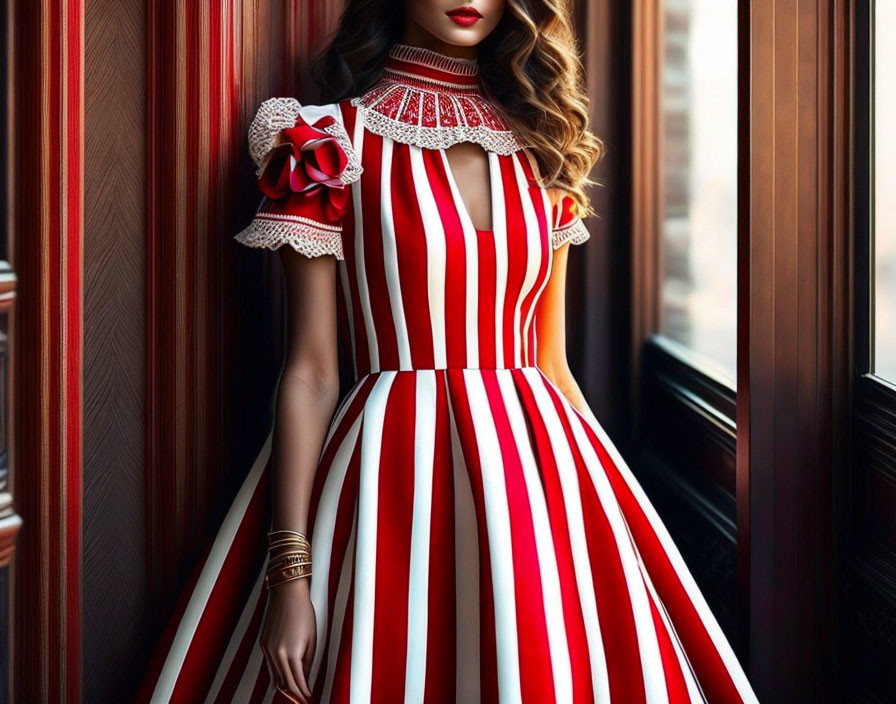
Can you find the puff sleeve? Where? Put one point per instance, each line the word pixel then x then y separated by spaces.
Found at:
pixel 305 177
pixel 566 226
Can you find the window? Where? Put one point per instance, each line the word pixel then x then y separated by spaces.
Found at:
pixel 698 143
pixel 884 203
pixel 686 117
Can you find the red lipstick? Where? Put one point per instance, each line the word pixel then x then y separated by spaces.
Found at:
pixel 465 16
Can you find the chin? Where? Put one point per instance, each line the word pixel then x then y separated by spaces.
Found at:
pixel 461 36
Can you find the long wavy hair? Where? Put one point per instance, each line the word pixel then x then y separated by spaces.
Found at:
pixel 529 65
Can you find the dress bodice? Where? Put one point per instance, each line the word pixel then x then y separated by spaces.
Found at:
pixel 421 287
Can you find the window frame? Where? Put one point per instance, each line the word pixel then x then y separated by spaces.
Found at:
pixel 683 420
pixel 867 579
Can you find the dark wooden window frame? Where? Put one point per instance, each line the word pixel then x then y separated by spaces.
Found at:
pixel 866 607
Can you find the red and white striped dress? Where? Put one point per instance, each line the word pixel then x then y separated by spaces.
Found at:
pixel 475 537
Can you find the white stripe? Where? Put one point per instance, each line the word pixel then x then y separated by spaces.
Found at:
pixel 471 252
pixel 695 693
pixel 572 500
pixel 198 603
pixel 349 313
pixel 341 411
pixel 466 556
pixel 552 596
pixel 323 534
pixel 533 262
pixel 390 258
pixel 648 645
pixel 532 355
pixel 435 255
pixel 499 229
pixel 243 692
pixel 418 585
pixel 270 693
pixel 339 609
pixel 239 632
pixel 360 261
pixel 715 632
pixel 497 517
pixel 365 560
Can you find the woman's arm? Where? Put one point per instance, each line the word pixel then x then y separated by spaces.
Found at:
pixel 306 399
pixel 550 327
pixel 309 387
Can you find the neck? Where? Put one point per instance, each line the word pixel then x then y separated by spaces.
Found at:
pixel 415 35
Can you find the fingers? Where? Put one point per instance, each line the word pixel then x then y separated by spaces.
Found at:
pixel 288 682
pixel 273 670
pixel 297 664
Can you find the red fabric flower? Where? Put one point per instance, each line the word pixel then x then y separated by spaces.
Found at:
pixel 308 161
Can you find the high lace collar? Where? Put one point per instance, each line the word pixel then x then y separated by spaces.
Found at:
pixel 433 101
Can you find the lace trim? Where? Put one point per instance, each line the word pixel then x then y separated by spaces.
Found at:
pixel 276 114
pixel 273 115
pixel 306 236
pixel 428 57
pixel 574 233
pixel 437 137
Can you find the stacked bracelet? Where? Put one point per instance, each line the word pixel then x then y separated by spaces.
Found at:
pixel 290 557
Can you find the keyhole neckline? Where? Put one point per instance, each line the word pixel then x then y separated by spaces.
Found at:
pixel 459 203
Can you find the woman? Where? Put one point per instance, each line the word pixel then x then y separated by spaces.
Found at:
pixel 472 533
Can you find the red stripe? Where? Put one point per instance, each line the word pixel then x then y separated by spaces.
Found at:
pixel 572 606
pixel 455 260
pixel 57 443
pixel 486 257
pixel 676 687
pixel 355 406
pixel 412 253
pixel 394 522
pixel 231 589
pixel 614 607
pixel 536 674
pixel 362 349
pixel 698 644
pixel 531 298
pixel 374 266
pixel 431 72
pixel 342 668
pixel 237 667
pixel 441 650
pixel 517 254
pixel 189 243
pixel 346 516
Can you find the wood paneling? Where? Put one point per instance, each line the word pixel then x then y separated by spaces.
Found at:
pixel 116 599
pixel 793 337
pixel 49 159
pixel 598 281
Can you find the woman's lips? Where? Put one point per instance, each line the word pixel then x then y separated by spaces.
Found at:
pixel 464 16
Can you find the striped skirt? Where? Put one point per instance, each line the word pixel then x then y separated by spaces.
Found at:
pixel 475 538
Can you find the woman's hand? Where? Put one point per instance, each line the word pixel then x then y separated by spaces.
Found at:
pixel 288 637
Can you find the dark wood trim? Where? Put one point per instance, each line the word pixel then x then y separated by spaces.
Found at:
pixel 688 413
pixel 794 336
pixel 646 194
pixel 866 603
